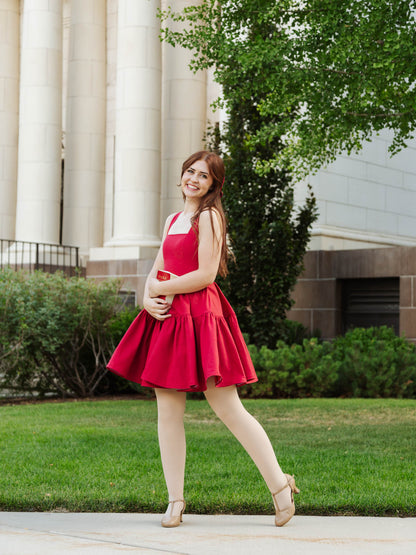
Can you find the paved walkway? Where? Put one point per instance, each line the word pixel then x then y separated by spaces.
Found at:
pixel 105 533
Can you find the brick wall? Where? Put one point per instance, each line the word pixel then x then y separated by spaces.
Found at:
pixel 317 294
pixel 408 306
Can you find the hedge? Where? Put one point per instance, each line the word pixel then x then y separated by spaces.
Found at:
pixel 370 362
pixel 57 334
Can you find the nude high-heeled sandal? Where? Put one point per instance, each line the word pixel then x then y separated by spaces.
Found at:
pixel 171 521
pixel 285 514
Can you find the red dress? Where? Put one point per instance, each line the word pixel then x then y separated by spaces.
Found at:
pixel 200 340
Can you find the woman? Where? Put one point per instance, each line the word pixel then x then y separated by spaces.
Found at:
pixel 193 342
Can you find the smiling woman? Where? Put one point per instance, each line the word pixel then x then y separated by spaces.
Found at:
pixel 193 342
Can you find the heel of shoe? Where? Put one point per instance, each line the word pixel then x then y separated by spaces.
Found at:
pixel 292 484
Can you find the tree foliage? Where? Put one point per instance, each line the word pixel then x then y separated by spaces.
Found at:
pixel 334 73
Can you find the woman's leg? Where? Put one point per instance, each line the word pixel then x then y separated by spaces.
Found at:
pixel 227 405
pixel 171 431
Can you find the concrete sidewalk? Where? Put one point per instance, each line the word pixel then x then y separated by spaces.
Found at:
pixel 89 533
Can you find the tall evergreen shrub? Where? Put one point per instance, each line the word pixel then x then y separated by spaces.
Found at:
pixel 268 233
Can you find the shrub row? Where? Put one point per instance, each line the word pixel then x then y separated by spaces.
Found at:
pixel 57 334
pixel 371 362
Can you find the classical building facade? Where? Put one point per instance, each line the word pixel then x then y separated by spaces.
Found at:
pixel 96 117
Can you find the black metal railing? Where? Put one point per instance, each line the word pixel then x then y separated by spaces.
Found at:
pixel 26 255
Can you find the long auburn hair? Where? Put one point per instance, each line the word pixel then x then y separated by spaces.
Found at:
pixel 212 200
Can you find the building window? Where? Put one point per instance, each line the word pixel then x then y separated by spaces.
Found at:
pixel 370 302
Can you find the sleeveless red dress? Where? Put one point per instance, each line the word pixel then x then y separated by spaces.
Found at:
pixel 200 340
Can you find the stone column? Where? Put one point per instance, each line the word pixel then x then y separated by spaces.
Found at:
pixel 39 162
pixel 111 65
pixel 85 126
pixel 9 110
pixel 137 143
pixel 184 117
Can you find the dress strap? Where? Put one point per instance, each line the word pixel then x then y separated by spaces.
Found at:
pixel 175 217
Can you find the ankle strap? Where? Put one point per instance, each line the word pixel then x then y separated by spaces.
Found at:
pixel 177 501
pixel 281 489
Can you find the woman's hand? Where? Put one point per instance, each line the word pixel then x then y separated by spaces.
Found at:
pixel 153 287
pixel 158 308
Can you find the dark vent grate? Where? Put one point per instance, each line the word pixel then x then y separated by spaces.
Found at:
pixel 371 302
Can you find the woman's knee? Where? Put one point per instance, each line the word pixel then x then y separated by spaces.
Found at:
pixel 224 401
pixel 170 404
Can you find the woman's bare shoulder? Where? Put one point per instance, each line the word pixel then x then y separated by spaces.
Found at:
pixel 211 215
pixel 207 213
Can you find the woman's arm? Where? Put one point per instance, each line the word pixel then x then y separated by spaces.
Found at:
pixel 209 253
pixel 157 308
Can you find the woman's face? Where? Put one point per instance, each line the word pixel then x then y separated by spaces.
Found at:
pixel 196 180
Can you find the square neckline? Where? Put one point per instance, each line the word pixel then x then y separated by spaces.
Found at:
pixel 175 217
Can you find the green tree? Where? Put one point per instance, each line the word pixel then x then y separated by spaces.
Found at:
pixel 334 73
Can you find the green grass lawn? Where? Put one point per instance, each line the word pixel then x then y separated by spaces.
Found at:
pixel 350 457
